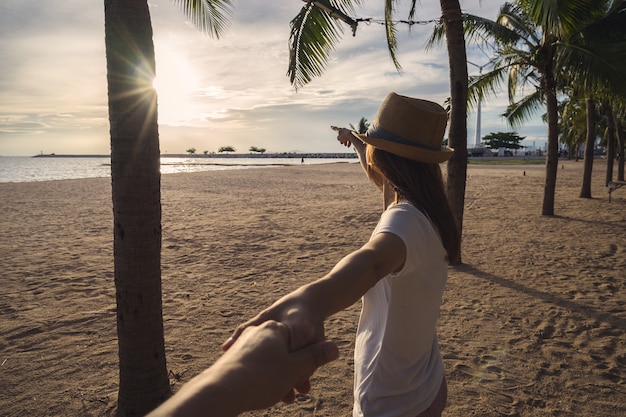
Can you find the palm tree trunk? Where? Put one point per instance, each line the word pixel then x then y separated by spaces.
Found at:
pixel 552 159
pixel 136 196
pixel 610 152
pixel 585 191
pixel 457 133
pixel 621 148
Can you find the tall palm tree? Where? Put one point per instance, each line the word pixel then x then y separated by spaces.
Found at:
pixel 452 21
pixel 590 140
pixel 540 44
pixel 315 32
pixel 135 179
pixel 619 107
pixel 610 141
pixel 607 27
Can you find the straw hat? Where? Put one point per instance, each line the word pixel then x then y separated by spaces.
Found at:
pixel 411 128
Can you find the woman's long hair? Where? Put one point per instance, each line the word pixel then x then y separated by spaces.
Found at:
pixel 422 185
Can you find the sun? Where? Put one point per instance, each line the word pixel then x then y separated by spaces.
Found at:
pixel 176 86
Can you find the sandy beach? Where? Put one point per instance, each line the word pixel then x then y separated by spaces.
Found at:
pixel 532 324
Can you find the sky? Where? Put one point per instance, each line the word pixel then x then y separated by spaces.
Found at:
pixel 231 91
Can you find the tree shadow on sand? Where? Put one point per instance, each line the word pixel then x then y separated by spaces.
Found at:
pixel 582 309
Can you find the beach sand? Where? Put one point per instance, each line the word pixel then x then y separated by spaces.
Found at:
pixel 532 324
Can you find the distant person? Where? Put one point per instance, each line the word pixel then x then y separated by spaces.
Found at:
pixel 302 161
pixel 400 273
pixel 255 373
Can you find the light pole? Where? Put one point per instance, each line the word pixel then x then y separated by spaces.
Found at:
pixel 477 143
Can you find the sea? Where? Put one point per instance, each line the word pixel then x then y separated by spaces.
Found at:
pixel 58 167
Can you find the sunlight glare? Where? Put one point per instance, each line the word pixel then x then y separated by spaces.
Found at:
pixel 176 86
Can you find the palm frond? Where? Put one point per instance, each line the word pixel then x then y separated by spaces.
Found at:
pixel 517 21
pixel 512 84
pixel 313 37
pixel 412 9
pixel 481 30
pixel 487 84
pixel 573 123
pixel 595 67
pixel 608 27
pixel 561 18
pixel 314 33
pixel 522 110
pixel 209 16
pixel 436 37
pixel 390 31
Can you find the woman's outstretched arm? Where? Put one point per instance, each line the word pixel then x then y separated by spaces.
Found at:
pixel 305 309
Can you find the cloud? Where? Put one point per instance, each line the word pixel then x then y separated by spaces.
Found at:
pixel 231 91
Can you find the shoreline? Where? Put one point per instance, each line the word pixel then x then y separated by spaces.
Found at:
pixel 285 155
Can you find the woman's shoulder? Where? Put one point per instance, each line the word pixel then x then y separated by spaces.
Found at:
pixel 405 211
pixel 405 206
pixel 408 214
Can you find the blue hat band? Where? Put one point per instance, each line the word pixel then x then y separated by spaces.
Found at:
pixel 377 132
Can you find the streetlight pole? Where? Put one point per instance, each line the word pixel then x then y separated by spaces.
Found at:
pixel 477 136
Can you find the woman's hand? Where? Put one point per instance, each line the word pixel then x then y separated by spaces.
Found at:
pixel 298 311
pixel 262 360
pixel 305 327
pixel 344 136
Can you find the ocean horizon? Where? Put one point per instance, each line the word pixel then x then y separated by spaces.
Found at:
pixel 53 167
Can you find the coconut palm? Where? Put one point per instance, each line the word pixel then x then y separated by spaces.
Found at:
pixel 363 126
pixel 619 108
pixel 611 130
pixel 316 30
pixel 590 140
pixel 135 179
pixel 605 29
pixel 452 22
pixel 588 118
pixel 541 44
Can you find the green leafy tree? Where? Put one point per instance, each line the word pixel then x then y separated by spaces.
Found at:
pixel 136 195
pixel 191 151
pixel 257 150
pixel 226 149
pixel 507 140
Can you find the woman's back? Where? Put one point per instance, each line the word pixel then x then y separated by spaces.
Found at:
pixel 398 367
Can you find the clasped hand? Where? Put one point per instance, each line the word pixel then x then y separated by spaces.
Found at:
pixel 304 323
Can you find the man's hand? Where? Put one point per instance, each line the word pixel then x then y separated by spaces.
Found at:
pixel 256 372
